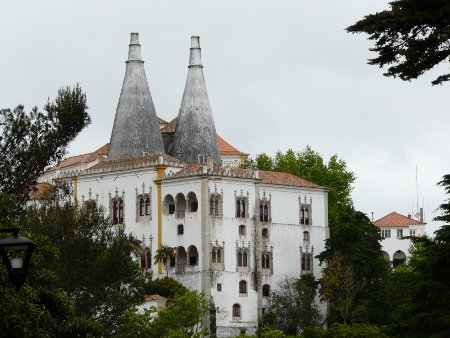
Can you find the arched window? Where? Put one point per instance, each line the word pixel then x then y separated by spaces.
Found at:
pixel 243 287
pixel 219 256
pixel 193 255
pixel 239 259
pixel 118 211
pixel 180 229
pixel 214 256
pixel 241 229
pixel 306 216
pixel 148 260
pixel 266 290
pixel 305 235
pixel 241 207
pixel 215 205
pixel 244 259
pixel 169 205
pixel 143 261
pixel 147 206
pixel 263 212
pixel 192 202
pixel 141 207
pixel 265 261
pixel 302 216
pixel 236 311
pixel 306 263
pixel 265 233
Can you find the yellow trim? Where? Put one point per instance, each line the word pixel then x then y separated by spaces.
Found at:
pixel 75 191
pixel 159 175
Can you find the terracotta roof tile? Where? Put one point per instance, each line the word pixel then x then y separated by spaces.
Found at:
pixel 273 177
pixel 37 190
pixel 154 297
pixel 396 220
pixel 227 149
pixel 135 160
pixel 224 147
pixel 102 151
pixel 85 158
pixel 268 177
pixel 170 127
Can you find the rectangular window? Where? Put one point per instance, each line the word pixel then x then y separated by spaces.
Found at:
pixel 412 232
pixel 385 233
pixel 399 233
pixel 219 287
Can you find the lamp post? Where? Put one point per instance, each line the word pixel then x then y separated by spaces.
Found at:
pixel 16 254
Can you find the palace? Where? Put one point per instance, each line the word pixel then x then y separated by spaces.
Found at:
pixel 237 232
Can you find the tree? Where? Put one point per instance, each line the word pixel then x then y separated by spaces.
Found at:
pixel 309 165
pixel 292 306
pixel 30 142
pixel 183 317
pixel 39 309
pixel 164 254
pixel 340 285
pixel 93 264
pixel 358 241
pixel 411 37
pixel 166 287
pixel 420 291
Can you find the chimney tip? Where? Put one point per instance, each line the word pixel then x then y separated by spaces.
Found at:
pixel 195 41
pixel 134 38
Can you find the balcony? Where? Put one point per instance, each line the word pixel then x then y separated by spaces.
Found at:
pixel 180 214
pixel 180 268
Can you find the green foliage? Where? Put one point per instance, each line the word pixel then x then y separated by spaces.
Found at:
pixel 30 142
pixel 94 265
pixel 309 165
pixel 411 37
pixel 358 241
pixel 166 287
pixel 445 207
pixel 134 324
pixel 340 286
pixel 420 291
pixel 163 255
pixel 182 317
pixel 292 306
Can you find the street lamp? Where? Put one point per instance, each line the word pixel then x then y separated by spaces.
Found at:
pixel 16 254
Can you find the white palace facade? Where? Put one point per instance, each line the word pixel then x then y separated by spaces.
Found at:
pixel 237 232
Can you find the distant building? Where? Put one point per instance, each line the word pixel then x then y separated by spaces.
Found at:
pixel 237 232
pixel 393 228
pixel 156 301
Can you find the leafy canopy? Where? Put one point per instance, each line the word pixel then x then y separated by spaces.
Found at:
pixel 30 142
pixel 309 165
pixel 410 38
pixel 292 306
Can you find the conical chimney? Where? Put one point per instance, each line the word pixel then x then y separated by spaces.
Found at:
pixel 136 128
pixel 195 137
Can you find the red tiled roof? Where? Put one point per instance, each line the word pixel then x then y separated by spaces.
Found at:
pixel 268 177
pixel 274 177
pixel 135 160
pixel 170 127
pixel 396 220
pixel 102 151
pixel 154 297
pixel 84 158
pixel 227 149
pixel 224 147
pixel 37 190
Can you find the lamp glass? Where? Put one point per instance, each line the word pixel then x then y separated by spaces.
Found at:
pixel 16 263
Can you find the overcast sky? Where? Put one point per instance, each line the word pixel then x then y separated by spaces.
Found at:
pixel 280 75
